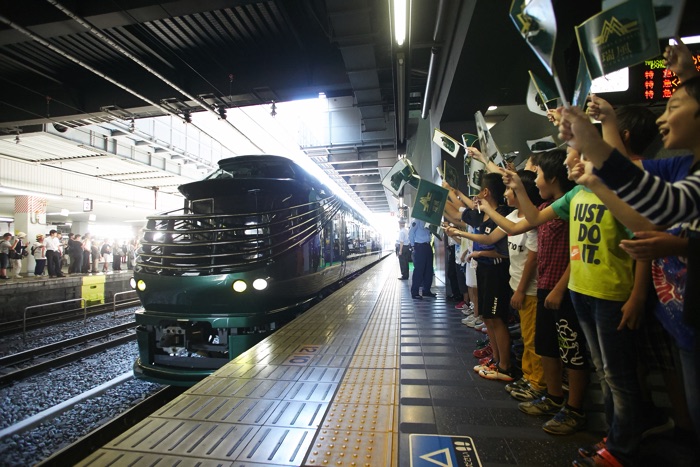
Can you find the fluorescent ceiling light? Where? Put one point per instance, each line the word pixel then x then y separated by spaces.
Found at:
pixel 686 40
pixel 400 21
pixel 492 107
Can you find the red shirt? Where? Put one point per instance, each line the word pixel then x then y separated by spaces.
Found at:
pixel 552 251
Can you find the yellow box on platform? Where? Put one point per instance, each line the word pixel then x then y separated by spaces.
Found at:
pixel 93 290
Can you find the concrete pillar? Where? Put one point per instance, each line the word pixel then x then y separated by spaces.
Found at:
pixel 30 217
pixel 80 227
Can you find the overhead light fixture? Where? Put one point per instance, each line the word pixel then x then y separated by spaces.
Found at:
pixel 400 21
pixel 492 107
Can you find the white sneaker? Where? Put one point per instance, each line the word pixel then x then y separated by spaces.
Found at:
pixel 480 325
pixel 474 321
pixel 467 312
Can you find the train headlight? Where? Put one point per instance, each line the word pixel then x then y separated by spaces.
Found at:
pixel 259 284
pixel 141 285
pixel 240 286
pixel 132 283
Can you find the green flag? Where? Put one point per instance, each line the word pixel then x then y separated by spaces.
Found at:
pixel 430 202
pixel 398 175
pixel 468 139
pixel 538 26
pixel 486 143
pixel 621 36
pixel 451 175
pixel 540 97
pixel 446 142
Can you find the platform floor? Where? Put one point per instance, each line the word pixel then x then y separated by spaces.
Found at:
pixel 366 378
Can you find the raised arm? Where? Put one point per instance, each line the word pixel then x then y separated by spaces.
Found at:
pixel 582 173
pixel 510 227
pixel 484 239
pixel 661 202
pixel 601 110
pixel 533 215
pixel 476 154
pixel 679 60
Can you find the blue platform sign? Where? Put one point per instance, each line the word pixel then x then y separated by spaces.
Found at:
pixel 443 451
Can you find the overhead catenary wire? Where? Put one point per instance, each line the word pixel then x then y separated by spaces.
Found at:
pixel 97 33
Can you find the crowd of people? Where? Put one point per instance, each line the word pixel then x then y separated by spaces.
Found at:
pixel 75 254
pixel 592 249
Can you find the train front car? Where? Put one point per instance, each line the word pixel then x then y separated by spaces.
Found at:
pixel 256 240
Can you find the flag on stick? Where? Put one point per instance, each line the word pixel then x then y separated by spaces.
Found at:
pixel 621 36
pixel 486 143
pixel 401 173
pixel 540 97
pixel 430 202
pixel 446 142
pixel 537 24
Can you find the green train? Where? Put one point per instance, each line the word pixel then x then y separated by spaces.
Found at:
pixel 256 242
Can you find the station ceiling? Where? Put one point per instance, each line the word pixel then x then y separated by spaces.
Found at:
pixel 77 62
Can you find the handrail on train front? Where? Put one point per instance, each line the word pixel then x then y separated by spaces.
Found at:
pixel 24 317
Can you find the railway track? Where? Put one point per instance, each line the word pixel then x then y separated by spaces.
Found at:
pixel 64 316
pixel 110 430
pixel 21 365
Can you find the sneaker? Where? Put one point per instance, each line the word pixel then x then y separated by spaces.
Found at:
pixel 487 365
pixel 481 343
pixel 566 422
pixel 460 305
pixel 498 374
pixel 602 458
pixel 525 394
pixel 521 383
pixel 485 352
pixel 590 451
pixel 473 321
pixel 480 327
pixel 485 360
pixel 542 406
pixel 467 311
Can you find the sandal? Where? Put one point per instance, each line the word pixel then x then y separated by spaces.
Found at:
pixel 590 451
pixel 602 458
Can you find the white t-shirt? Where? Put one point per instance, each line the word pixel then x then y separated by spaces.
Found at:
pixel 518 247
pixel 39 250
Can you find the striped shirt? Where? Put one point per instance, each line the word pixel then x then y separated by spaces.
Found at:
pixel 661 202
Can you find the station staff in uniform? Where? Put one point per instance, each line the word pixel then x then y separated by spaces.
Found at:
pixel 419 236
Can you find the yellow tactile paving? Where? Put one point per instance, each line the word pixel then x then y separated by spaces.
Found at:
pixel 360 427
pixel 359 417
pixel 351 448
pixel 366 394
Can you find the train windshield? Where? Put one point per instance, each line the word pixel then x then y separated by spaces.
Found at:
pixel 252 170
